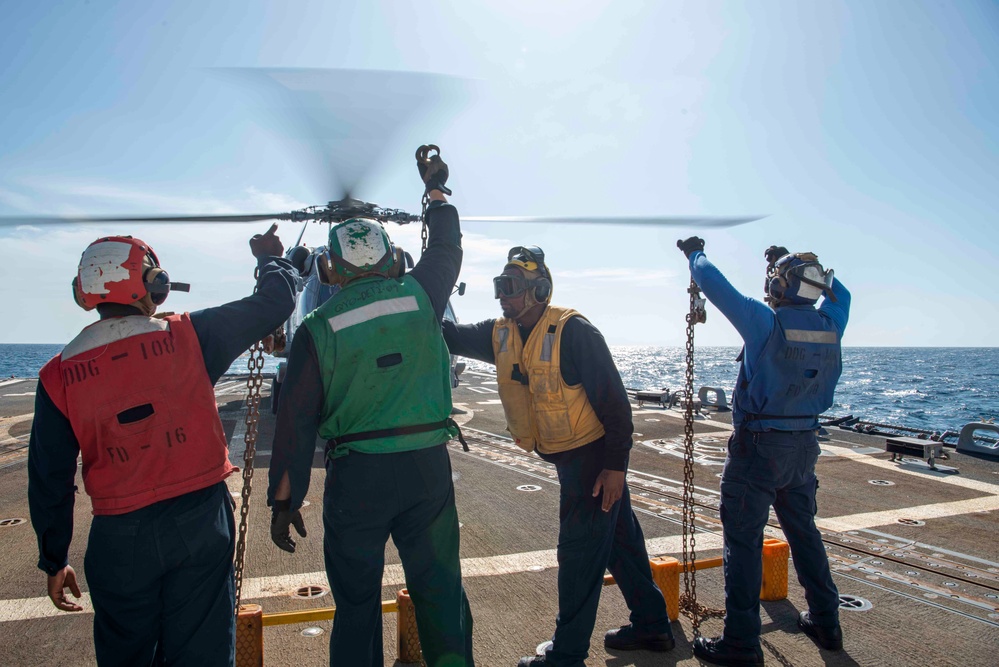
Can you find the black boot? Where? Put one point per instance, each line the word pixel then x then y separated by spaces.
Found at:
pixel 829 638
pixel 717 652
pixel 626 638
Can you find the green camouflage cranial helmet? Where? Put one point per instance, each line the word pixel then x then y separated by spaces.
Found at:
pixel 360 247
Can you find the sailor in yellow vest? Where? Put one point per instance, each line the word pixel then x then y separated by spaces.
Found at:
pixel 564 399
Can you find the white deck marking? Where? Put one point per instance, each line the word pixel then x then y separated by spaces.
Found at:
pixel 943 478
pixel 28 608
pixel 27 393
pixel 921 512
pixel 282 585
pixel 9 382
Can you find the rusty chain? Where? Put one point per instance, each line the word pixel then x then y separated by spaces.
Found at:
pixel 423 221
pixel 255 380
pixel 688 601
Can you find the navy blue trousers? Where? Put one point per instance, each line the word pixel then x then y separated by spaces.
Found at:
pixel 410 496
pixel 161 582
pixel 763 469
pixel 591 541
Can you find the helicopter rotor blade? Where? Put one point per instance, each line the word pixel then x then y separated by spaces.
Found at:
pixel 344 122
pixel 18 220
pixel 717 222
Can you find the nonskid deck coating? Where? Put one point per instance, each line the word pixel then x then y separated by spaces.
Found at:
pixel 934 587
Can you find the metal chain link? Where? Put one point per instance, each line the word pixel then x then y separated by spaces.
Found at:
pixel 423 220
pixel 254 381
pixel 688 601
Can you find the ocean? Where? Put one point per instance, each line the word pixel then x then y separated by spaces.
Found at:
pixel 929 388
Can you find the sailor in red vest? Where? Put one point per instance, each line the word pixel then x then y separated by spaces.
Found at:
pixel 133 395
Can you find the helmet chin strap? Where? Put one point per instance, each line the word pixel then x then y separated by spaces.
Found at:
pixel 146 305
pixel 529 303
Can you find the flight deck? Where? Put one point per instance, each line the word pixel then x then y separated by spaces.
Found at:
pixel 912 545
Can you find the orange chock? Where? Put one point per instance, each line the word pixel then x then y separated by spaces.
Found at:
pixel 775 555
pixel 250 636
pixel 406 630
pixel 666 574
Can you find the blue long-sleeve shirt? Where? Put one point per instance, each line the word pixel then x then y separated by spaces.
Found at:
pixel 224 333
pixel 302 393
pixel 753 319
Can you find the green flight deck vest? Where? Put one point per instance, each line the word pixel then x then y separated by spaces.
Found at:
pixel 385 368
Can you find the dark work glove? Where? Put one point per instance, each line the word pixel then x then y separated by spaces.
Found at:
pixel 432 168
pixel 691 245
pixel 266 245
pixel 281 519
pixel 774 252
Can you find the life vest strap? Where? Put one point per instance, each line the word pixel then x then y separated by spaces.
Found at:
pixel 750 417
pixel 333 443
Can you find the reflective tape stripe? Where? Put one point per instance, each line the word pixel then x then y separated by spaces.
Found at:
pixel 405 304
pixel 805 336
pixel 112 330
pixel 503 334
pixel 547 343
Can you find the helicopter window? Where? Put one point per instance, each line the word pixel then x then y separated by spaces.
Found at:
pixel 449 313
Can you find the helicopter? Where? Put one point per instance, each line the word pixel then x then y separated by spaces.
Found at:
pixel 342 145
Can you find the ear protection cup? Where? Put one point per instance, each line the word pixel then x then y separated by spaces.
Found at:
pixel 157 283
pixel 327 276
pixel 776 287
pixel 77 296
pixel 542 289
pixel 398 269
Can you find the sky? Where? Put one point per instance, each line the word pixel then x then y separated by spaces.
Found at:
pixel 867 132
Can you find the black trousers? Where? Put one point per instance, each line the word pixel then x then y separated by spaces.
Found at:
pixel 410 496
pixel 589 542
pixel 161 581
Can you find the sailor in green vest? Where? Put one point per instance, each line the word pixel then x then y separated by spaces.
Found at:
pixel 564 399
pixel 370 374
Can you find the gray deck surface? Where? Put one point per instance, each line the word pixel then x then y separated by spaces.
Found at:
pixel 933 588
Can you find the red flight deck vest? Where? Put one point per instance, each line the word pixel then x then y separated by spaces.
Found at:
pixel 137 394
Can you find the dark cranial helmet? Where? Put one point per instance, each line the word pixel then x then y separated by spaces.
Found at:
pixel 798 279
pixel 531 260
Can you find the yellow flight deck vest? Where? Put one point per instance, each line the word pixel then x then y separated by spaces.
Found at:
pixel 541 409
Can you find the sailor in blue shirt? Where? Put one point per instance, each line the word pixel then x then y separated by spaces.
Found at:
pixel 789 367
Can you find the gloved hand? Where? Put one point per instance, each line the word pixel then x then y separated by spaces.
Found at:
pixel 433 169
pixel 282 518
pixel 266 245
pixel 691 245
pixel 774 252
